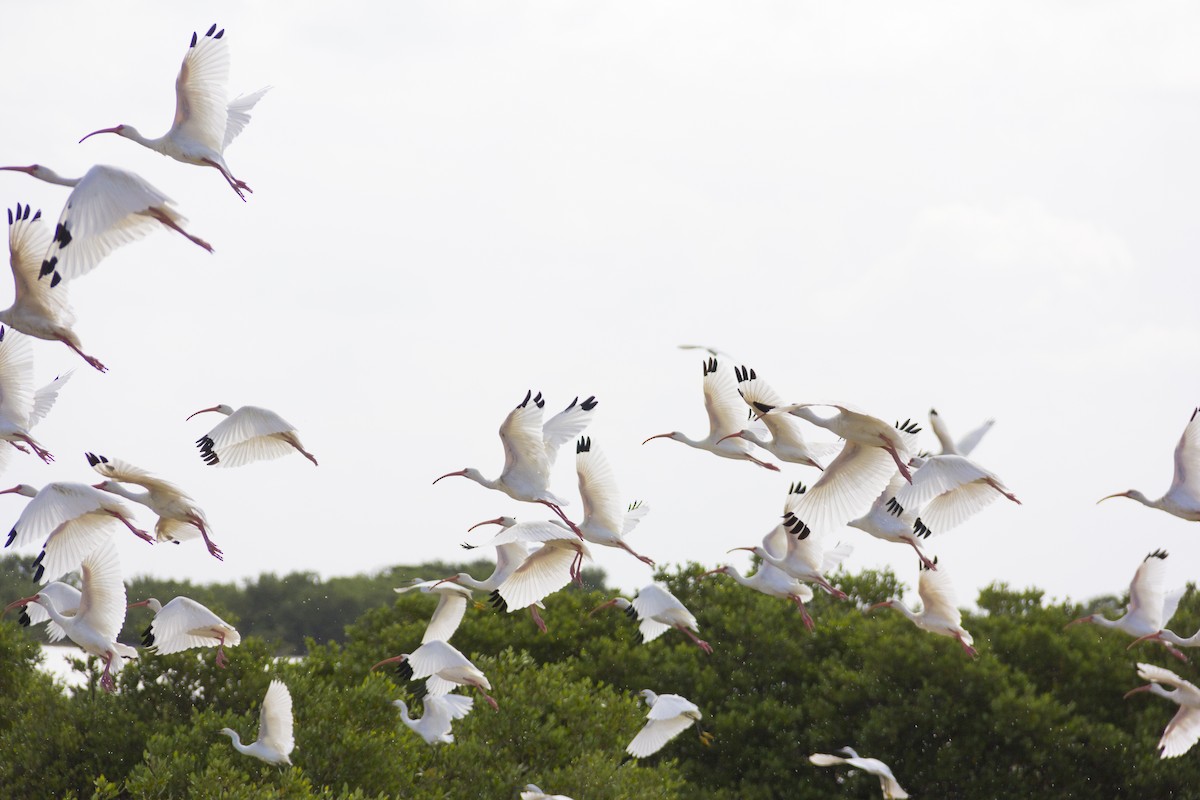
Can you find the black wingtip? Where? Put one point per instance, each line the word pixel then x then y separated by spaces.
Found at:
pixel 584 445
pixel 193 44
pixel 210 30
pixel 590 403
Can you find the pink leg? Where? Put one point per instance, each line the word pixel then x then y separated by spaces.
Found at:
pixel 838 594
pixel 537 619
pixel 899 461
pixel 235 184
pixel 1001 490
pixel 165 219
pixel 763 464
pixel 554 507
pixel 808 622
pixel 94 362
pixel 703 645
pixel 213 550
pixel 1178 654
pixel 971 651
pixel 41 452
pixel 641 558
pixel 491 701
pixel 138 532
pixel 928 564
pixel 221 658
pixel 106 680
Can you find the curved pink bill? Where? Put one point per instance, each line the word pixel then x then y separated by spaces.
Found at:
pixel 117 129
pixel 201 411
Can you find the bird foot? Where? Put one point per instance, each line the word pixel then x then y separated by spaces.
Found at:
pixel 95 363
pixel 222 659
pixel 141 534
pixel 20 447
pixel 537 619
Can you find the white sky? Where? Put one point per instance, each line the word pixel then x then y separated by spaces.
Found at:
pixel 987 208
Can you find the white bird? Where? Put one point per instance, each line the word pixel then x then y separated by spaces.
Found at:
pixel 771 580
pixel 961 447
pixel 65 598
pixel 1184 728
pixel 107 207
pixel 204 123
pixel 20 407
pixel 69 520
pixel 101 612
pixel 530 450
pixel 37 309
pixel 787 441
pixel 1150 607
pixel 888 521
pixel 183 624
pixel 509 557
pixel 1183 498
pixel 848 485
pixel 275 738
pixel 946 491
pixel 532 792
pixel 249 434
pixel 658 611
pixel 887 781
pixel 669 716
pixel 724 420
pixel 547 569
pixel 606 520
pixel 939 609
pixel 440 712
pixel 179 518
pixel 452 605
pixel 444 666
pixel 857 428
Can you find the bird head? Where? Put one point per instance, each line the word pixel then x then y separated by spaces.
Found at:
pixel 619 602
pixel 24 601
pixel 151 603
pixel 1088 618
pixel 506 522
pixel 884 604
pixel 22 489
pixel 724 570
pixel 392 660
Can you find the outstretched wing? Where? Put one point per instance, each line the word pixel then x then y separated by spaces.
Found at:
pixel 200 90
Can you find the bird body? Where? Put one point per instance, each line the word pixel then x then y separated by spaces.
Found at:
pixel 65 598
pixel 1184 728
pixel 724 420
pixel 658 611
pixel 38 309
pixel 532 792
pixel 452 605
pixel 606 519
pixel 889 521
pixel 771 580
pixel 555 563
pixel 1150 607
pixel 183 624
pixel 669 716
pixel 873 766
pixel 946 491
pixel 444 667
pixel 179 518
pixel 70 520
pixel 960 447
pixel 440 712
pixel 939 609
pixel 787 441
pixel 857 427
pixel 275 735
pixel 204 123
pixel 20 407
pixel 246 435
pixel 1183 497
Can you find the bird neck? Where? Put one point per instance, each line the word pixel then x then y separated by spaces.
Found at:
pixel 906 611
pixel 808 414
pixel 237 740
pixel 128 494
pixel 404 717
pixel 50 176
pixel 48 604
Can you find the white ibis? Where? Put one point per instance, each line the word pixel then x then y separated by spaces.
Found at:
pixel 37 309
pixel 1184 728
pixel 96 624
pixel 530 450
pixel 872 766
pixel 69 520
pixel 847 486
pixel 939 613
pixel 888 521
pixel 509 557
pixel 658 611
pixel 856 427
pixel 183 624
pixel 248 434
pixel 669 716
pixel 20 407
pixel 724 420
pixel 438 717
pixel 107 207
pixel 772 581
pixel 557 562
pixel 532 792
pixel 946 491
pixel 204 123
pixel 787 441
pixel 65 598
pixel 452 605
pixel 606 519
pixel 1150 607
pixel 961 447
pixel 444 666
pixel 1183 498
pixel 179 518
pixel 275 738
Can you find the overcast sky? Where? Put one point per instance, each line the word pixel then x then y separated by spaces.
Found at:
pixel 990 209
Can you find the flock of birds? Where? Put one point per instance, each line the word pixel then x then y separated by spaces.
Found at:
pixel 875 479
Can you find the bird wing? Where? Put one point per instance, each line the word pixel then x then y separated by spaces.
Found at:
pixel 55 505
pixel 45 397
pixel 454 706
pixel 446 617
pixel 239 114
pixel 836 555
pixel 938 425
pixel 200 90
pixel 66 600
pixel 433 657
pixel 547 570
pixel 16 377
pixel 262 448
pixel 633 515
pixel 1157 674
pixel 124 472
pixel 105 210
pixel 669 706
pixel 28 244
pixel 846 488
pixel 1147 592
pixel 1181 732
pixel 655 734
pixel 783 427
pixel 521 434
pixel 947 511
pixel 566 425
pixel 248 422
pixel 653 601
pixel 102 599
pixel 722 402
pixel 887 781
pixel 183 623
pixel 938 597
pixel 536 531
pixel 940 475
pixel 826 760
pixel 508 557
pixel 969 442
pixel 602 505
pixel 275 719
pixel 1187 459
